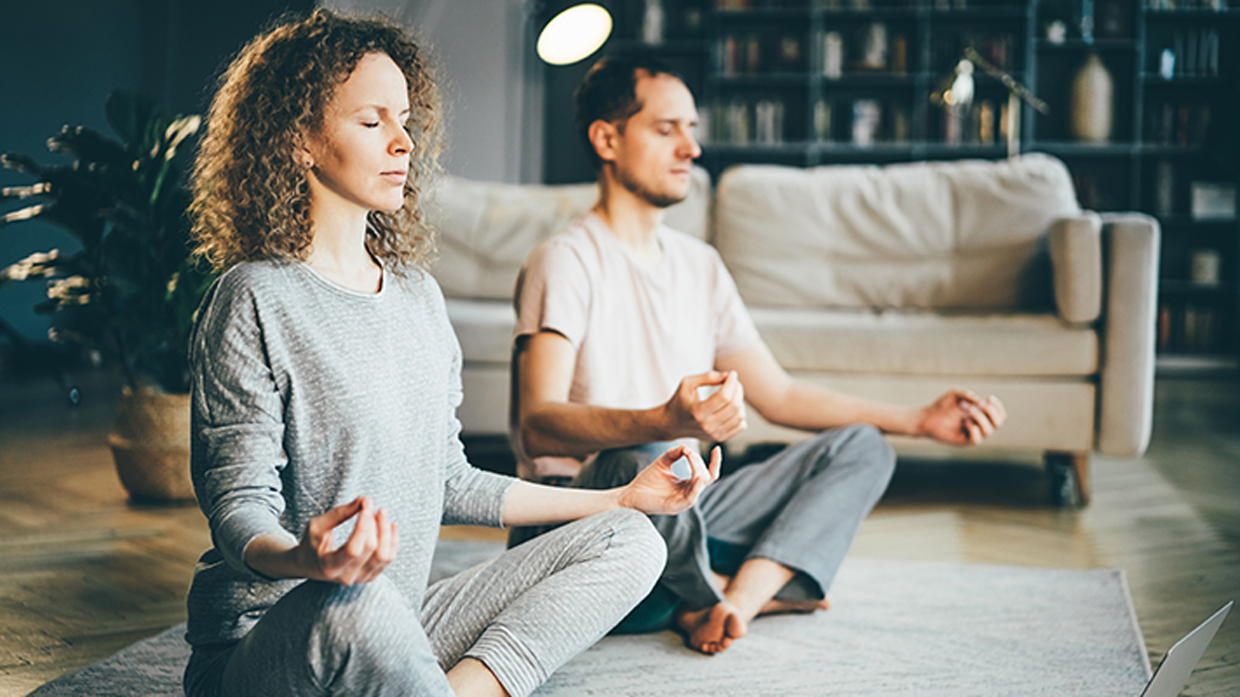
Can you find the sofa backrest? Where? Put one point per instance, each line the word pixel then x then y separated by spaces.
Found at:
pixel 944 235
pixel 487 229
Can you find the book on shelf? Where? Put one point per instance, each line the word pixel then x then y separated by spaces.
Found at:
pixel 867 115
pixel 899 54
pixel 1189 328
pixel 836 5
pixel 1093 192
pixel 873 48
pixel 870 48
pixel 983 123
pixel 740 55
pixel 831 55
pixel 741 121
pixel 901 122
pixel 1177 123
pixel 1190 53
pixel 1163 331
pixel 1186 4
pixel 746 5
pixel 768 121
pixel 823 111
pixel 1212 200
pixel 732 121
pixel 873 121
pixel 755 53
pixel 1205 267
pixel 1164 188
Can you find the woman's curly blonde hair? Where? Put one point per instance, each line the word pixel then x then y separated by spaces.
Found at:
pixel 251 196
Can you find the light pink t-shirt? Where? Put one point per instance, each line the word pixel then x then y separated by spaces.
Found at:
pixel 638 329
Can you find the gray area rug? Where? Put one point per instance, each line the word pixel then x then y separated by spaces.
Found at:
pixel 896 628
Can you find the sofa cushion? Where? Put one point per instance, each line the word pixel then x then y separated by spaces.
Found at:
pixel 487 229
pixel 1076 255
pixel 1056 415
pixel 858 342
pixel 947 235
pixel 926 344
pixel 484 328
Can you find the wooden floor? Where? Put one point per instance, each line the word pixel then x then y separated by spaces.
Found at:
pixel 83 573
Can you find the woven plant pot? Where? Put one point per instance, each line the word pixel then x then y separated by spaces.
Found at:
pixel 150 444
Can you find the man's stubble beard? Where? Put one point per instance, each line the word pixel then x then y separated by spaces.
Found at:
pixel 637 189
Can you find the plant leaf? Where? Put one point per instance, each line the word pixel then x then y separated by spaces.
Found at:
pixel 21 163
pixel 20 192
pixel 23 214
pixel 124 201
pixel 178 131
pixel 128 114
pixel 94 149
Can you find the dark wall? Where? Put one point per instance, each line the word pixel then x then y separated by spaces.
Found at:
pixel 564 158
pixel 61 58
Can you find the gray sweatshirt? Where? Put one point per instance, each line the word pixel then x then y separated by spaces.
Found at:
pixel 306 395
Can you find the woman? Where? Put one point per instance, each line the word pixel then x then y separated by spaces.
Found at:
pixel 325 381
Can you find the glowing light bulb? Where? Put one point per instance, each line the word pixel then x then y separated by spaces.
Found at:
pixel 574 34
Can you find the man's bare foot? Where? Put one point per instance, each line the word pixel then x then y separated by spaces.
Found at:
pixel 774 606
pixel 713 629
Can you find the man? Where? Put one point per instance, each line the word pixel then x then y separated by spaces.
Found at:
pixel 625 327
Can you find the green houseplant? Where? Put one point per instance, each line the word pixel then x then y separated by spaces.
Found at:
pixel 130 292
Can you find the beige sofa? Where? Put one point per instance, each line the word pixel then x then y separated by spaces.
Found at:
pixel 894 282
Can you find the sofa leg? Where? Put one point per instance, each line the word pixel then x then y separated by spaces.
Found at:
pixel 1069 478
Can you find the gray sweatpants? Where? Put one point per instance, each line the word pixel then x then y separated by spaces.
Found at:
pixel 523 614
pixel 801 508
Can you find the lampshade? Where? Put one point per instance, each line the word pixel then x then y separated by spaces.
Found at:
pixel 574 34
pixel 960 94
pixel 955 92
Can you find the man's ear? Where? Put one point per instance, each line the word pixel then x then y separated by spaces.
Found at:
pixel 604 136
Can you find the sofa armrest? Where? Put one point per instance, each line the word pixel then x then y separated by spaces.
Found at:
pixel 1126 387
pixel 1076 267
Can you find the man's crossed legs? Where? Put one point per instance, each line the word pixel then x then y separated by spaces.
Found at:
pixel 769 537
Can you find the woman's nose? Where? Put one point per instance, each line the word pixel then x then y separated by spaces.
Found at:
pixel 402 143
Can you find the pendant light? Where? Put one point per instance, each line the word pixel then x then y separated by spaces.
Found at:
pixel 574 33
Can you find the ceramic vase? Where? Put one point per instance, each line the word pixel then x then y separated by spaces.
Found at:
pixel 1092 101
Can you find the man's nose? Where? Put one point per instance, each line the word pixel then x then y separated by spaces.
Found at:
pixel 690 146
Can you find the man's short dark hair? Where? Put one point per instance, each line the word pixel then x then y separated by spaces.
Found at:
pixel 609 93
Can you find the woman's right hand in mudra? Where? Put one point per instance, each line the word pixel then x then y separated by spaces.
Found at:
pixel 658 490
pixel 370 548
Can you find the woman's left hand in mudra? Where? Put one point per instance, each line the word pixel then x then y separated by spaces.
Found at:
pixel 361 558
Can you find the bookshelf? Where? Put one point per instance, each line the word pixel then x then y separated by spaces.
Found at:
pixel 1184 103
pixel 813 82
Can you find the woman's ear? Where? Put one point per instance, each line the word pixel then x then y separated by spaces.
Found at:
pixel 302 152
pixel 604 136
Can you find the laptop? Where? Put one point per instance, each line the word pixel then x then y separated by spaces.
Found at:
pixel 1179 662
